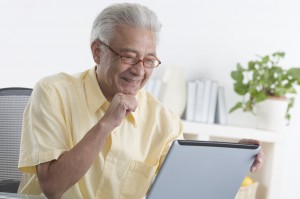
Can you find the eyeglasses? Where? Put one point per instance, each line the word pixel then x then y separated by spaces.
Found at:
pixel 147 62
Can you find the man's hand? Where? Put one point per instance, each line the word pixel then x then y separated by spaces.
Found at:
pixel 258 162
pixel 120 106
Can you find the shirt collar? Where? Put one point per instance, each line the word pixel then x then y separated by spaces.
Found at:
pixel 132 118
pixel 95 97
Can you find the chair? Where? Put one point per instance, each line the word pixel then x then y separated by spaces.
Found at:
pixel 12 105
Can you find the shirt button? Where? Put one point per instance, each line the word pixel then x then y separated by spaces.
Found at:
pixel 110 159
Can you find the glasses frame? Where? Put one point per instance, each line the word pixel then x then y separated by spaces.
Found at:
pixel 138 60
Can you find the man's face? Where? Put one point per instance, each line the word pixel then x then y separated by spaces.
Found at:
pixel 114 76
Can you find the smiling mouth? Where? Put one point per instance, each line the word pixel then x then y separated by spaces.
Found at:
pixel 130 80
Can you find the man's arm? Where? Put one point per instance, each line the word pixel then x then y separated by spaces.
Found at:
pixel 57 176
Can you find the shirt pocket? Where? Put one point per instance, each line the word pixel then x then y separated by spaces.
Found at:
pixel 138 180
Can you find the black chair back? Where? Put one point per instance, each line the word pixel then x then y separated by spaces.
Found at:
pixel 12 105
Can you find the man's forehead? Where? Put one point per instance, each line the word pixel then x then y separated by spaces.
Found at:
pixel 134 40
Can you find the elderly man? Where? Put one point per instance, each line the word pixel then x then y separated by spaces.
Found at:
pixel 97 134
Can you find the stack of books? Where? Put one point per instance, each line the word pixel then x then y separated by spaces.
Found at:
pixel 206 102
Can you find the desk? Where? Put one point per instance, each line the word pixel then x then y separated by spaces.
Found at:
pixel 18 196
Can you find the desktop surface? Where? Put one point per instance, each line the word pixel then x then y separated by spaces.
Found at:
pixel 4 195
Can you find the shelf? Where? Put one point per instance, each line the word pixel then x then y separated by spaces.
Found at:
pixel 234 132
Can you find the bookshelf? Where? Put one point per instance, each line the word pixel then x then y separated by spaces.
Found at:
pixel 269 177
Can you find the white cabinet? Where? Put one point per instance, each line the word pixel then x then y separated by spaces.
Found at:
pixel 269 176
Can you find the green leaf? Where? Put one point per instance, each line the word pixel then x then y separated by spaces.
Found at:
pixel 239 67
pixel 237 76
pixel 290 106
pixel 255 75
pixel 248 106
pixel 278 54
pixel 261 96
pixel 294 72
pixel 236 106
pixel 280 91
pixel 252 90
pixel 291 90
pixel 265 59
pixel 251 65
pixel 277 69
pixel 241 88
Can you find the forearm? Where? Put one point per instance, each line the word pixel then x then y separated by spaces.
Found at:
pixel 58 176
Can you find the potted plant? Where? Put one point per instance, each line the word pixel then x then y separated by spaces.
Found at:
pixel 263 79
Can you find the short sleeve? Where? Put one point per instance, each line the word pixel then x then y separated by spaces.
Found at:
pixel 44 133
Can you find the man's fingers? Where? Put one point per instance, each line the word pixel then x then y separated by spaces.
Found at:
pixel 121 105
pixel 258 161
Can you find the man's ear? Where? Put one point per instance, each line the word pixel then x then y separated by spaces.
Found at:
pixel 95 47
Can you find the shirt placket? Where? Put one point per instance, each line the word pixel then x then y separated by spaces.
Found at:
pixel 113 166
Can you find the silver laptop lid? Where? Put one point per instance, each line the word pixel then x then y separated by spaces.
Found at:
pixel 203 170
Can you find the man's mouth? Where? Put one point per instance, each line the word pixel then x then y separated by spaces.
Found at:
pixel 131 80
pixel 128 80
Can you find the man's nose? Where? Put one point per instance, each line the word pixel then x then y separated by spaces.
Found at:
pixel 139 68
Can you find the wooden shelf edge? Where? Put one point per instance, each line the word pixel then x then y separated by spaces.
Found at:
pixel 234 132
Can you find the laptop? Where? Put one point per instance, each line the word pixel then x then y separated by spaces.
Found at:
pixel 203 170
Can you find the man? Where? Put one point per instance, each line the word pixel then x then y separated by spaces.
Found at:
pixel 96 134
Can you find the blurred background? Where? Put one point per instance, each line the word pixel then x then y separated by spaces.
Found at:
pixel 206 37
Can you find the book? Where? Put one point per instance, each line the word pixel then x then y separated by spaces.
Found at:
pixel 191 101
pixel 212 103
pixel 206 100
pixel 221 111
pixel 199 101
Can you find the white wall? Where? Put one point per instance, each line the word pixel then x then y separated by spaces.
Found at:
pixel 207 37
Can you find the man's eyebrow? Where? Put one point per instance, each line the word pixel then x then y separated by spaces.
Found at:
pixel 128 50
pixel 124 50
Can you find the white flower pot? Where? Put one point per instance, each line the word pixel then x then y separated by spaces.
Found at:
pixel 271 114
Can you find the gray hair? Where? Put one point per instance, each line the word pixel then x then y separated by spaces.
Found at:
pixel 124 13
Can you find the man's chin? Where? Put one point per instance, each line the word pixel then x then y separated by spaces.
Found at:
pixel 130 92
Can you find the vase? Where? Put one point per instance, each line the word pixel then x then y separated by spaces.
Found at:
pixel 271 114
pixel 173 94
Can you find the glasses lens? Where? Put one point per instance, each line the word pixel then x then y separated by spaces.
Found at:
pixel 129 60
pixel 151 63
pixel 148 63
